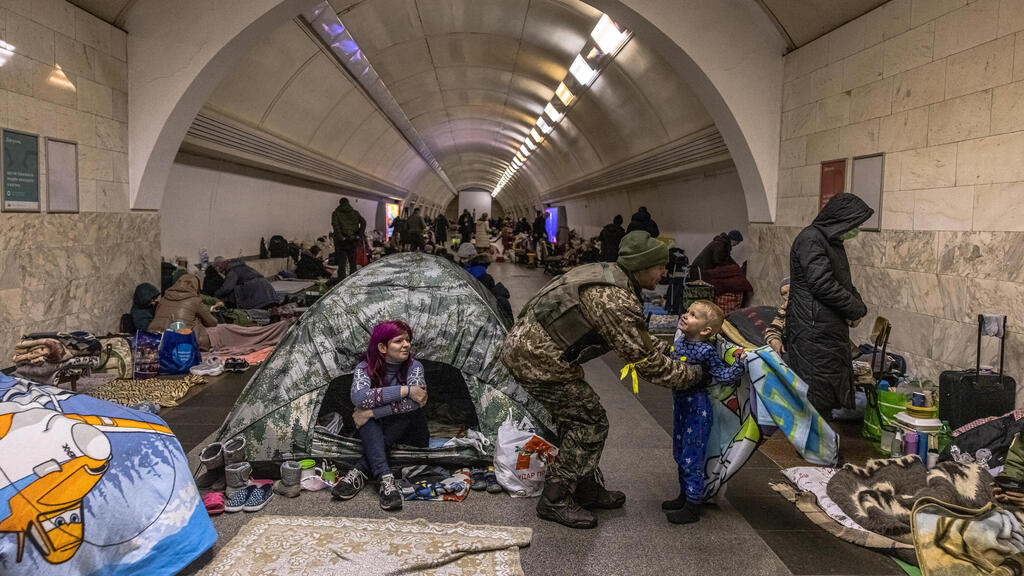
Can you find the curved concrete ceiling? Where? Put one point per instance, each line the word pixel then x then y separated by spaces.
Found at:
pixel 472 76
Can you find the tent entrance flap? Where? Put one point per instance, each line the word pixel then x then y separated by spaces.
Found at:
pixel 450 410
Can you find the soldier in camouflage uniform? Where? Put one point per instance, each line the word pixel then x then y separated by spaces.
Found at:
pixel 576 317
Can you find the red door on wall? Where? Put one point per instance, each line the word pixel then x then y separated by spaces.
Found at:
pixel 833 180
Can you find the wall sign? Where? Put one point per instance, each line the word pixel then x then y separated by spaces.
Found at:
pixel 833 180
pixel 61 176
pixel 867 183
pixel 20 172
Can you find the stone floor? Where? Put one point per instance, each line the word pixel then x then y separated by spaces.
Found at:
pixel 751 531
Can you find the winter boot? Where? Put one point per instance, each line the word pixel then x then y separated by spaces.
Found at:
pixel 289 484
pixel 688 514
pixel 234 450
pixel 558 505
pixel 591 493
pixel 237 475
pixel 212 458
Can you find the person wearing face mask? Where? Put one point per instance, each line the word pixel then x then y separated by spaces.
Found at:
pixel 824 304
pixel 388 390
pixel 579 316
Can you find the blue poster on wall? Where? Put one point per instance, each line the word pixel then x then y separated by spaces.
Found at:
pixel 551 224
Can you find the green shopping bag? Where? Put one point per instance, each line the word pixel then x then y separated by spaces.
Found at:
pixel 883 406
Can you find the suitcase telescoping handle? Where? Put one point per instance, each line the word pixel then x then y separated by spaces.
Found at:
pixel 1002 346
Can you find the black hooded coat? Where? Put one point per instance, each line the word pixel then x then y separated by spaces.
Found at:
pixel 143 306
pixel 642 220
pixel 822 303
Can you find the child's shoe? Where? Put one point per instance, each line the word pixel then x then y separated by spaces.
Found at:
pixel 688 514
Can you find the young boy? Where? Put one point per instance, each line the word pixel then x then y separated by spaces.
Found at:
pixel 692 408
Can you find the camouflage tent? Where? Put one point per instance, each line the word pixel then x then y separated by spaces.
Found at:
pixel 455 321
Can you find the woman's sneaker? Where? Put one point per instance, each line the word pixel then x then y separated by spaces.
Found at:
pixel 258 497
pixel 212 366
pixel 390 495
pixel 349 485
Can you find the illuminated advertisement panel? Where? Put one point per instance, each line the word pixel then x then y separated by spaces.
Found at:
pixel 551 224
pixel 390 213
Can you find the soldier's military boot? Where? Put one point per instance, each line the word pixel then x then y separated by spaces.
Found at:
pixel 591 493
pixel 558 505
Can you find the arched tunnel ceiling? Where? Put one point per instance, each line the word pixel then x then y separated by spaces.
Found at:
pixel 471 76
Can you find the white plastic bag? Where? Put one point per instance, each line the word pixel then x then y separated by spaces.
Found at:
pixel 521 458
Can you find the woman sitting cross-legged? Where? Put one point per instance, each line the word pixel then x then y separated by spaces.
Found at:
pixel 388 390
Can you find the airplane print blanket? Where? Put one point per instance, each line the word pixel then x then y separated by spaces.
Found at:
pixel 90 487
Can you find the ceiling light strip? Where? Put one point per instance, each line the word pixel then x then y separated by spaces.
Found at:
pixel 606 40
pixel 324 22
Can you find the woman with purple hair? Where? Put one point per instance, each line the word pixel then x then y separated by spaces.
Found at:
pixel 388 390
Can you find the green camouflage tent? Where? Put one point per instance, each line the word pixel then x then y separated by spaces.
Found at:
pixel 455 322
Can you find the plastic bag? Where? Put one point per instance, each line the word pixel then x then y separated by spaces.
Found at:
pixel 146 354
pixel 178 352
pixel 521 458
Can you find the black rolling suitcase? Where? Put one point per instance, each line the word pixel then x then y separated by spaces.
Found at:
pixel 967 395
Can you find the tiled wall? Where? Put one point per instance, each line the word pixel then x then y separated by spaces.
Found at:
pixel 939 87
pixel 67 78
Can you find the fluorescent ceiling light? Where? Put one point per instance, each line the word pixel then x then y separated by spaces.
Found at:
pixel 536 136
pixel 581 70
pixel 530 144
pixel 555 115
pixel 607 35
pixel 524 150
pixel 544 127
pixel 520 157
pixel 564 94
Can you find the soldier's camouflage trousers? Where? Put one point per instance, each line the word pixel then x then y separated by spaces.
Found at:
pixel 582 426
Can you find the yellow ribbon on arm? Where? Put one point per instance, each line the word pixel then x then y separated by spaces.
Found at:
pixel 631 368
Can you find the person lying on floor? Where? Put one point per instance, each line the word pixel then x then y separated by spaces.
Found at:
pixel 311 266
pixel 182 303
pixel 244 287
pixel 388 390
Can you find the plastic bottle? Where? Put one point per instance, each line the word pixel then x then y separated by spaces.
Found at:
pixel 896 450
pixel 910 443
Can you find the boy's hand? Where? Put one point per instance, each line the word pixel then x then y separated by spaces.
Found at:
pixel 741 355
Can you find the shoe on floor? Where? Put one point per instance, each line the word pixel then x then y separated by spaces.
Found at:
pixel 236 365
pixel 349 485
pixel 258 498
pixel 492 481
pixel 236 502
pixel 390 495
pixel 214 502
pixel 212 366
pixel 688 514
pixel 477 481
pixel 675 504
pixel 591 493
pixel 558 505
pixel 212 458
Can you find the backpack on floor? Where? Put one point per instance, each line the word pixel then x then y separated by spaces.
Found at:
pixel 278 247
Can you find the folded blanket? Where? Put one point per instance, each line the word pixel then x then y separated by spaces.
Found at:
pixel 50 373
pixel 162 391
pixel 880 495
pixel 39 351
pixel 956 541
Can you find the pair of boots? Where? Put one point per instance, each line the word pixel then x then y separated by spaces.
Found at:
pixel 226 468
pixel 559 502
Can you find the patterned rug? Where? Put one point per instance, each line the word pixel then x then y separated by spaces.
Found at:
pixel 162 391
pixel 293 545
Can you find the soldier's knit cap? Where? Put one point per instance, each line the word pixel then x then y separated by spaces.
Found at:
pixel 638 251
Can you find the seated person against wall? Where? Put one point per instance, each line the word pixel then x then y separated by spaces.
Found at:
pixel 310 266
pixel 144 303
pixel 773 335
pixel 388 390
pixel 244 287
pixel 182 303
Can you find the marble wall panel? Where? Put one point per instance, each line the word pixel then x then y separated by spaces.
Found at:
pixel 998 297
pixel 911 250
pixel 867 249
pixel 954 291
pixel 953 341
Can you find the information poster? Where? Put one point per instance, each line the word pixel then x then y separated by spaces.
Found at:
pixel 833 180
pixel 20 172
pixel 61 176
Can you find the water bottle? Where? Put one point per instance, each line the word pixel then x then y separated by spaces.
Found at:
pixel 910 443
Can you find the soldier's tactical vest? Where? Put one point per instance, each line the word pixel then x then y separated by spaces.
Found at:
pixel 557 309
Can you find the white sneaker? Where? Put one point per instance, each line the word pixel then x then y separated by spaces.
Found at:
pixel 212 366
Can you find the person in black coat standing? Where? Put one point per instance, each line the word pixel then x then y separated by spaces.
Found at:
pixel 717 253
pixel 539 230
pixel 441 230
pixel 610 237
pixel 466 226
pixel 824 304
pixel 642 221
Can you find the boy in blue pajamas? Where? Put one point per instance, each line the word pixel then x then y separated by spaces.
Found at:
pixel 692 416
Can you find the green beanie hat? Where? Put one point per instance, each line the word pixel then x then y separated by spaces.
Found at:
pixel 638 251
